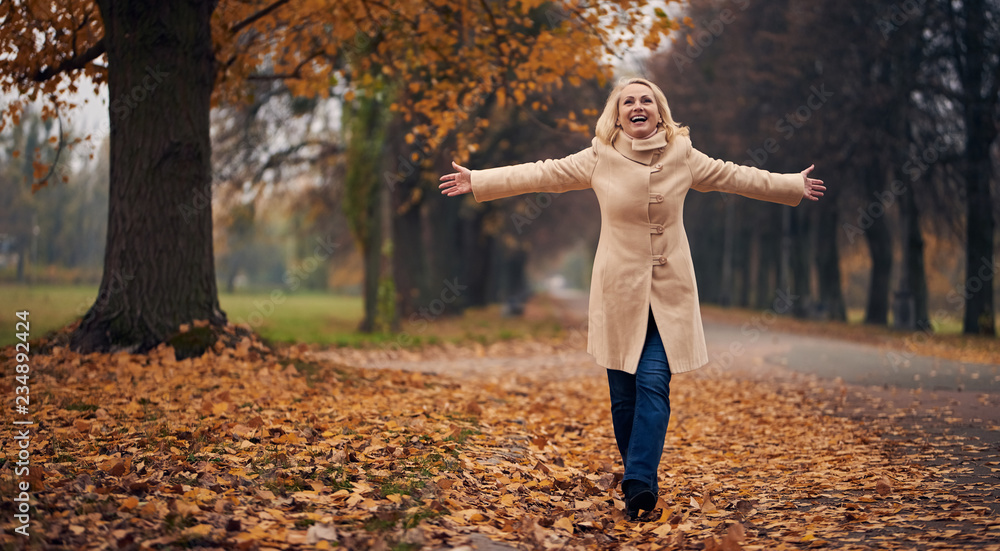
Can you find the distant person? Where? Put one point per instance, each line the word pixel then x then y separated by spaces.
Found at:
pixel 644 318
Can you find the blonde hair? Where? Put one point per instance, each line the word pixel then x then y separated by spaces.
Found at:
pixel 608 125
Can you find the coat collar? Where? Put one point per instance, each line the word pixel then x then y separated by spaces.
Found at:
pixel 640 151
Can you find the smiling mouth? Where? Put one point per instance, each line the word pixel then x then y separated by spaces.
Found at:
pixel 638 118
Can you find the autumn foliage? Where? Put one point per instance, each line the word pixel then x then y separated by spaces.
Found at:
pixel 448 57
pixel 252 448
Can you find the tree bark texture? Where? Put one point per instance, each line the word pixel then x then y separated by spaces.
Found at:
pixel 913 281
pixel 409 256
pixel 159 269
pixel 879 241
pixel 980 131
pixel 363 195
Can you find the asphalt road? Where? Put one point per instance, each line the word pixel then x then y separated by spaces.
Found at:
pixel 853 363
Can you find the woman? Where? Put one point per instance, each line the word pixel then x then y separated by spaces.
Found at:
pixel 644 318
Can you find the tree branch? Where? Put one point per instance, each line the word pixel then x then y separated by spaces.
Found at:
pixel 296 73
pixel 257 16
pixel 72 64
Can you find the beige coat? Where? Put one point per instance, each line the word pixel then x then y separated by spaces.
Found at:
pixel 643 260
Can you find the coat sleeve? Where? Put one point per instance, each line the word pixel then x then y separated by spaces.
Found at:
pixel 551 176
pixel 710 174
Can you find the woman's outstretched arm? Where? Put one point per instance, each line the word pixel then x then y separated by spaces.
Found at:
pixel 457 183
pixel 550 176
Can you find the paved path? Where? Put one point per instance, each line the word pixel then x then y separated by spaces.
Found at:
pixel 854 363
pixel 913 403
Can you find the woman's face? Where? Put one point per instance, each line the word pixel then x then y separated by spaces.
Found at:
pixel 637 113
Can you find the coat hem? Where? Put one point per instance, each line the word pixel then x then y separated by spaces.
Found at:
pixel 675 367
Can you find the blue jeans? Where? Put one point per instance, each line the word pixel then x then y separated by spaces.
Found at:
pixel 640 410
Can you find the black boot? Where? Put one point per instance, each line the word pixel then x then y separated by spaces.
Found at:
pixel 638 496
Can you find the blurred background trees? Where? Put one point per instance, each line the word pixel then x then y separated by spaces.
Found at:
pixel 895 102
pixel 879 95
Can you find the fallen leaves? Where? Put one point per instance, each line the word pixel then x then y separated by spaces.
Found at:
pixel 247 448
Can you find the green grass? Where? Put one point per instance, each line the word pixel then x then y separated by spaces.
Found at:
pixel 300 317
pixel 49 307
pixel 942 326
pixel 310 317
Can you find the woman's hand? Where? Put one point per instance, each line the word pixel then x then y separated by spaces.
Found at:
pixel 456 183
pixel 813 188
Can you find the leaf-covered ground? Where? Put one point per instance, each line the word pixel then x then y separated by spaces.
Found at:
pixel 250 448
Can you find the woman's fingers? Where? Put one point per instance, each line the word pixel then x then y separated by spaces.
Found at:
pixel 456 183
pixel 813 188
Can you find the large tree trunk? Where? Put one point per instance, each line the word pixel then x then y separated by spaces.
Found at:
pixel 880 248
pixel 159 269
pixel 980 131
pixel 980 266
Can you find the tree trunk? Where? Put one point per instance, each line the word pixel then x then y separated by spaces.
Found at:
pixel 372 260
pixel 768 254
pixel 477 253
pixel 880 248
pixel 801 276
pixel 744 274
pixel 726 286
pixel 22 257
pixel 911 309
pixel 831 294
pixel 159 269
pixel 513 284
pixel 445 234
pixel 409 257
pixel 980 264
pixel 363 196
pixel 980 131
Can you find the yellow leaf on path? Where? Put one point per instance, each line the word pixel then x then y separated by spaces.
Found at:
pixel 114 467
pixel 186 508
pixel 564 524
pixel 395 498
pixel 663 530
pixel 507 500
pixel 220 408
pixel 130 502
pixel 199 530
